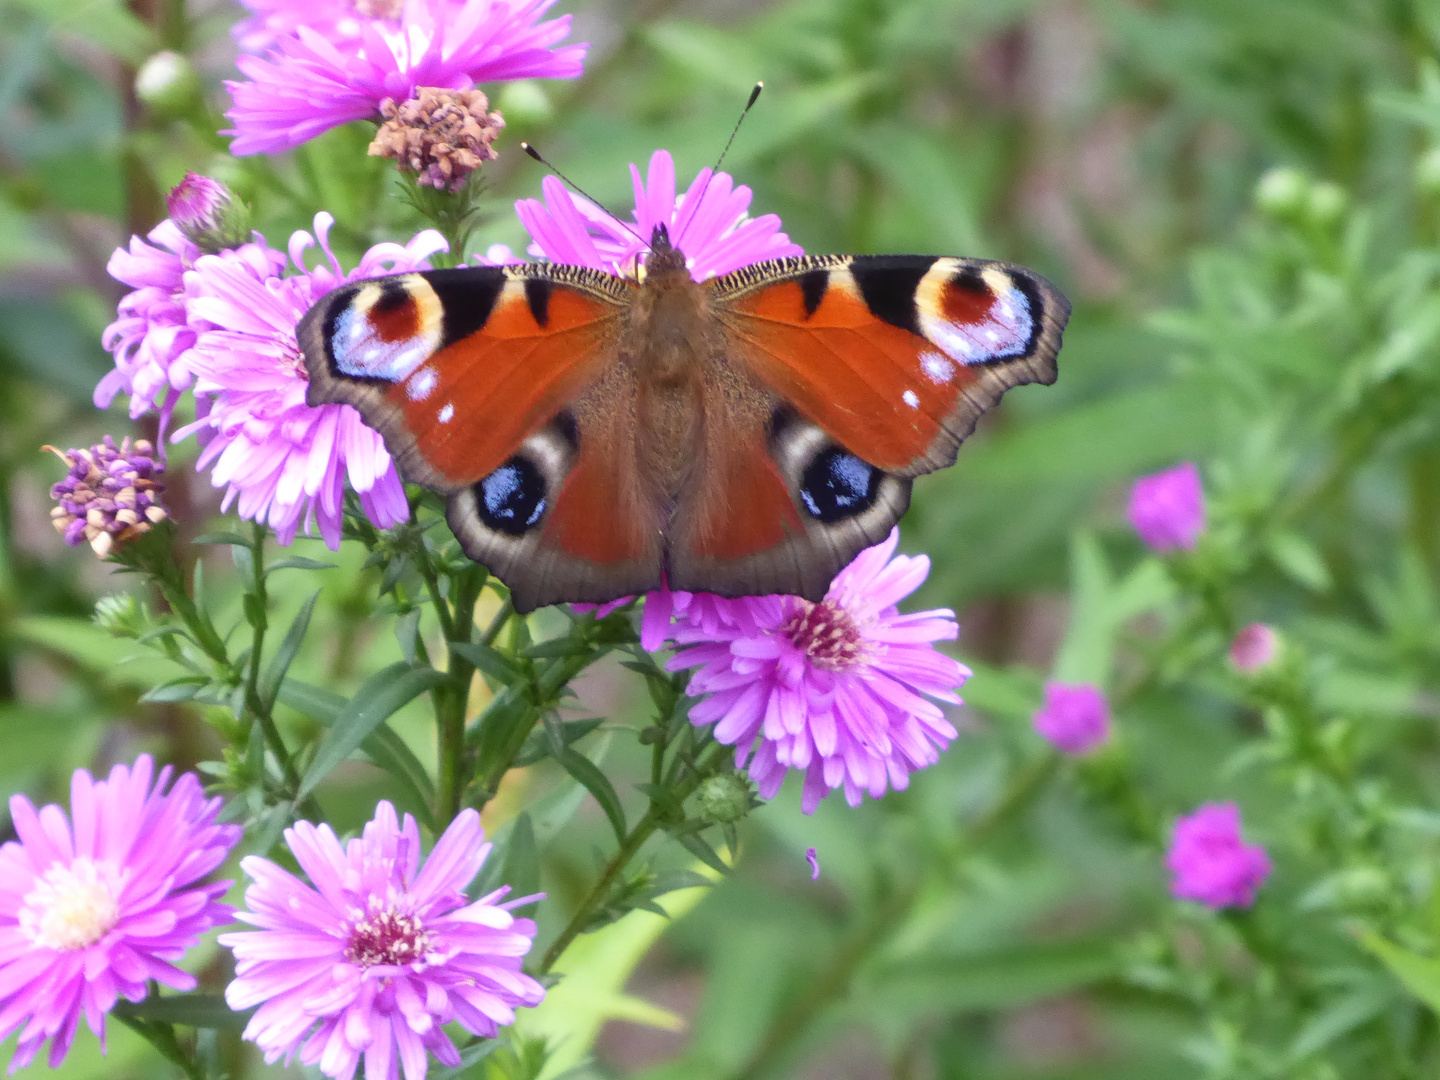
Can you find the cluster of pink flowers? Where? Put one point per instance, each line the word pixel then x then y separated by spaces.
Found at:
pixel 367 962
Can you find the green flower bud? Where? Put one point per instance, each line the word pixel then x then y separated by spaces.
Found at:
pixel 1427 172
pixel 524 103
pixel 167 83
pixel 1282 193
pixel 1326 203
pixel 725 798
pixel 121 615
pixel 208 213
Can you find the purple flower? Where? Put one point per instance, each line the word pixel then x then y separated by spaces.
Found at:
pixel 1075 717
pixel 111 495
pixel 309 83
pixel 1254 647
pixel 338 20
pixel 1168 508
pixel 377 953
pixel 708 223
pixel 92 911
pixel 814 860
pixel 838 689
pixel 1209 861
pixel 151 333
pixel 279 459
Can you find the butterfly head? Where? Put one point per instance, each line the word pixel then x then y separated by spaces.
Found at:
pixel 663 257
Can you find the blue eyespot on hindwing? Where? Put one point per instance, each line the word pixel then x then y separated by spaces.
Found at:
pixel 837 485
pixel 511 499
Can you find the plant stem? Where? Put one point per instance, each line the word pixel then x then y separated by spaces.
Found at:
pixel 634 841
pixel 452 701
pixel 162 1037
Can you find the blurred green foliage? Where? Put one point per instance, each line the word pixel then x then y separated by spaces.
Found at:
pixel 1006 918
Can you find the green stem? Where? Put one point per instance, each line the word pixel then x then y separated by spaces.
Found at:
pixel 634 841
pixel 162 1037
pixel 452 701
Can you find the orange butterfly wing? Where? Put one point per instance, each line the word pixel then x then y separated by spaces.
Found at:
pixel 894 356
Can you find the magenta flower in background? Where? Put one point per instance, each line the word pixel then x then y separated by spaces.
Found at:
pixel 1254 647
pixel 308 83
pixel 1168 508
pixel 376 953
pixel 279 459
pixel 841 690
pixel 93 907
pixel 708 223
pixel 1075 717
pixel 1211 863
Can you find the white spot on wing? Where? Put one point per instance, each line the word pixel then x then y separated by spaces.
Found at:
pixel 911 399
pixel 421 384
pixel 938 369
pixel 446 414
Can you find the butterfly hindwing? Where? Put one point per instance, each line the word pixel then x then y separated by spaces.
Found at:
pixel 490 385
pixel 894 356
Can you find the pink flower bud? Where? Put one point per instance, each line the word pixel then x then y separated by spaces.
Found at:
pixel 1075 717
pixel 1168 508
pixel 1254 647
pixel 1211 863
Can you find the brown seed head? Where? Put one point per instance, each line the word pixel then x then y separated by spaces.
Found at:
pixel 440 135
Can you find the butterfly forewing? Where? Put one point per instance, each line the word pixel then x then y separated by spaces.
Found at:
pixel 894 356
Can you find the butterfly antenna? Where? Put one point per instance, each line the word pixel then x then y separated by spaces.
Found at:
pixel 754 97
pixel 581 191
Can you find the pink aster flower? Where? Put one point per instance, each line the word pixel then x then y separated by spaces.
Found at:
pixel 151 333
pixel 376 954
pixel 94 907
pixel 1254 647
pixel 1211 863
pixel 841 690
pixel 1075 717
pixel 1168 508
pixel 309 83
pixel 279 459
pixel 708 223
pixel 339 20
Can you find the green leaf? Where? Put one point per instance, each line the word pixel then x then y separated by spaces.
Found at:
pixel 696 845
pixel 596 782
pixel 1418 974
pixel 1298 557
pixel 469 1057
pixel 182 689
pixel 488 660
pixel 522 858
pixel 555 648
pixel 274 673
pixel 222 539
pixel 299 562
pixel 537 746
pixel 383 694
pixel 192 1010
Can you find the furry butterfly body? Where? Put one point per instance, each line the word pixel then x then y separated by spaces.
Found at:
pixel 598 436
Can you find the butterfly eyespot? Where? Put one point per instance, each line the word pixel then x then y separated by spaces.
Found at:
pixel 512 498
pixel 838 485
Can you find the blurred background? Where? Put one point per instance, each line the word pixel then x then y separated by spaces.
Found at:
pixel 1115 146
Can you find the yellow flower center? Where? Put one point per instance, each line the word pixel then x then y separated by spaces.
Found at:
pixel 71 907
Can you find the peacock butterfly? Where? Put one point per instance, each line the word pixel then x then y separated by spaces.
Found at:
pixel 598 435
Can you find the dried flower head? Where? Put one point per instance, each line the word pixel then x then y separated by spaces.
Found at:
pixel 441 135
pixel 110 496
